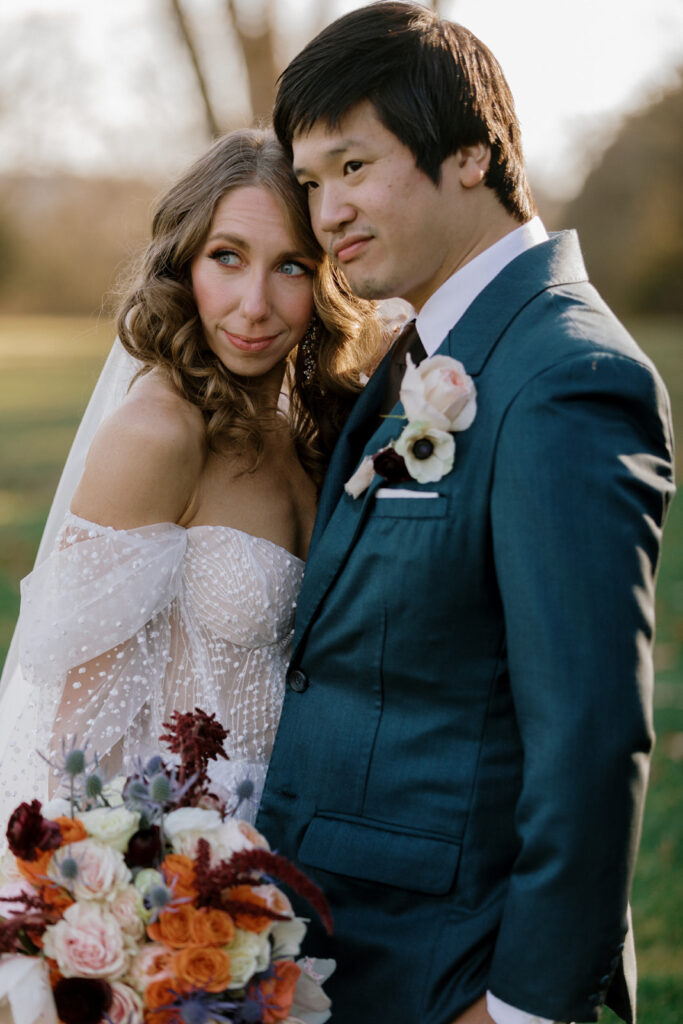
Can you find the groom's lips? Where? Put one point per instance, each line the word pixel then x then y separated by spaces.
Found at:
pixel 348 248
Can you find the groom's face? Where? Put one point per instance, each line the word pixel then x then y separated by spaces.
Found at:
pixel 382 220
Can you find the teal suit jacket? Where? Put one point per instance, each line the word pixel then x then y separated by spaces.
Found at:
pixel 463 751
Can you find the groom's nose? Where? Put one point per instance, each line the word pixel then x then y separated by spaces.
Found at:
pixel 332 209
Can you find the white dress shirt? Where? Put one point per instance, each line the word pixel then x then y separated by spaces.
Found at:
pixel 445 307
pixel 439 314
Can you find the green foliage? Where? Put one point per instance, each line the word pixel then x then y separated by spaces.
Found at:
pixel 47 369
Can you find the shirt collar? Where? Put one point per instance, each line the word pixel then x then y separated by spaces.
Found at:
pixel 446 306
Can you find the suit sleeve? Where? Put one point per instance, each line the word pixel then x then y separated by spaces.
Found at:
pixel 582 480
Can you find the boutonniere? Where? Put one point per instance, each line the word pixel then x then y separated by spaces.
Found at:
pixel 439 399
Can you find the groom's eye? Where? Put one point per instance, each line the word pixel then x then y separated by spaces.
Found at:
pixel 352 165
pixel 308 186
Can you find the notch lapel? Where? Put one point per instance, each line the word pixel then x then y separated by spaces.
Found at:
pixel 340 517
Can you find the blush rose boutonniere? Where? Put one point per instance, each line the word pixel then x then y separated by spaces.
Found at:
pixel 439 399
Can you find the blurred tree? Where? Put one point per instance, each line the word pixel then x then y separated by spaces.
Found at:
pixel 630 212
pixel 255 28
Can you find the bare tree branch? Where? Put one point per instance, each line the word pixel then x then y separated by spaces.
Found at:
pixel 260 61
pixel 182 23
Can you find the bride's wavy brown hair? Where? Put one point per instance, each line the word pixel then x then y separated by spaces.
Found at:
pixel 159 324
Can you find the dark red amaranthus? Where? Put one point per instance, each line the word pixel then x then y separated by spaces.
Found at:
pixel 19 929
pixel 212 882
pixel 197 738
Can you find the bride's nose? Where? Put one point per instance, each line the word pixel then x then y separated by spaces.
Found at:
pixel 255 302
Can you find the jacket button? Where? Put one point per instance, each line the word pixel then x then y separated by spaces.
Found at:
pixel 298 680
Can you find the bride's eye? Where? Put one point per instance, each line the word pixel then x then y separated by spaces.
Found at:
pixel 226 257
pixel 293 269
pixel 352 165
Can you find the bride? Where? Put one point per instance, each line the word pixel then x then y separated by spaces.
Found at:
pixel 169 572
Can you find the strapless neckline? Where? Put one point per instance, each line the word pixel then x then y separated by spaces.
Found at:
pixel 188 529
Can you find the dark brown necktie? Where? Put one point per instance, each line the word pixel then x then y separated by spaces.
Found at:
pixel 408 341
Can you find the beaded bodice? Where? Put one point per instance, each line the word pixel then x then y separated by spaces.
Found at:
pixel 119 628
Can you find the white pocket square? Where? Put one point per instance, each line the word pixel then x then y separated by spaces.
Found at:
pixel 389 492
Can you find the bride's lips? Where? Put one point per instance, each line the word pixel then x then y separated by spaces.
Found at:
pixel 248 344
pixel 348 248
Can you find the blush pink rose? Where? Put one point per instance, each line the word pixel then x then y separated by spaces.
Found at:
pixel 152 963
pixel 102 871
pixel 440 392
pixel 126 1007
pixel 126 908
pixel 87 943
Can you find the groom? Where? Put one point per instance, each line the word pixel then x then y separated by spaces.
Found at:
pixel 463 751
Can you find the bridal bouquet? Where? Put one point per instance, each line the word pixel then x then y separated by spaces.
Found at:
pixel 145 899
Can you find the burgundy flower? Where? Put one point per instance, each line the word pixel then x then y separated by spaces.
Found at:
pixel 144 848
pixel 198 738
pixel 389 464
pixel 29 834
pixel 82 1000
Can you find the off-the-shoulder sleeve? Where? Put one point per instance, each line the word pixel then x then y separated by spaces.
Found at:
pixel 96 590
pixel 100 623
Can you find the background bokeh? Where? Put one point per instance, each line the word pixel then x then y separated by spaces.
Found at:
pixel 102 104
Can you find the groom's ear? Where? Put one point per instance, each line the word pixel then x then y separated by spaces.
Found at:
pixel 473 163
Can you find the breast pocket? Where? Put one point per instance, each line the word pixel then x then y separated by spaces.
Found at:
pixel 396 504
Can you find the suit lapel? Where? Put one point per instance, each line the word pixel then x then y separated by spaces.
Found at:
pixel 341 517
pixel 351 441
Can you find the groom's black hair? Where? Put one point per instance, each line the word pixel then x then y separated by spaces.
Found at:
pixel 432 83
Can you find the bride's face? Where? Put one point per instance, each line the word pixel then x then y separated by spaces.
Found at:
pixel 252 284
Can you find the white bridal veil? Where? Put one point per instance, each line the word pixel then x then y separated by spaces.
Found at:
pixel 109 392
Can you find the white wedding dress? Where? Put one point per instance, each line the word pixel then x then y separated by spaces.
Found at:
pixel 119 628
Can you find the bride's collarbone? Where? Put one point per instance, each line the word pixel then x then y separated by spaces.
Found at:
pixel 275 500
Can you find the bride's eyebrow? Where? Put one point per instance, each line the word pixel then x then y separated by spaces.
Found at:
pixel 288 254
pixel 224 236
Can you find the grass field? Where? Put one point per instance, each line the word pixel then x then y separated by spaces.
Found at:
pixel 47 369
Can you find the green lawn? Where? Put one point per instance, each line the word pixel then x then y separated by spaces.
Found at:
pixel 47 369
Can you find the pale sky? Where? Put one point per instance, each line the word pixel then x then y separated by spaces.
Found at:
pixel 99 86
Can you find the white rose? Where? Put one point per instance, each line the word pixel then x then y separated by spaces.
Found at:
pixel 113 790
pixel 111 825
pixel 232 836
pixel 186 826
pixel 102 872
pixel 440 392
pixel 287 936
pixel 435 451
pixel 87 943
pixel 58 807
pixel 249 953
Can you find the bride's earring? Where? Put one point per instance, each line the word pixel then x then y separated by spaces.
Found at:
pixel 309 349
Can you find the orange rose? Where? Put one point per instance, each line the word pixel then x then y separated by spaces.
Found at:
pixel 159 1016
pixel 72 830
pixel 179 869
pixel 160 993
pixel 35 871
pixel 202 967
pixel 174 927
pixel 264 896
pixel 278 991
pixel 212 927
pixel 55 897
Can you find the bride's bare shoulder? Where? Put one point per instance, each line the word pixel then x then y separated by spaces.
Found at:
pixel 145 460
